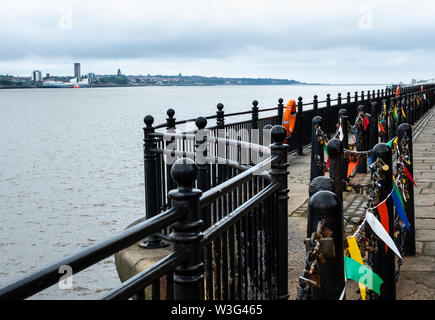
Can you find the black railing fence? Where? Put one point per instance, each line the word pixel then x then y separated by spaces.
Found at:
pixel 323 277
pixel 219 195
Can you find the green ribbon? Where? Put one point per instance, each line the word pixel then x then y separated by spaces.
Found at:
pixel 360 273
pixel 398 193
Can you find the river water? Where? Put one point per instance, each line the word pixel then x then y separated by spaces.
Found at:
pixel 71 167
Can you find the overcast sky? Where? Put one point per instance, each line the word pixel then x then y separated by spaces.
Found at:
pixel 334 41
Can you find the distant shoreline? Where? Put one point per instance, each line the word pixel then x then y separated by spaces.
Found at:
pixel 203 85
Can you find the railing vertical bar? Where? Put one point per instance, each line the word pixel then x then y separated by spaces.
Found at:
pixel 225 246
pixel 231 244
pixel 255 240
pixel 270 260
pixel 170 286
pixel 140 295
pixel 155 290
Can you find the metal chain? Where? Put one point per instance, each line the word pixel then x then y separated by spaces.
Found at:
pixel 310 277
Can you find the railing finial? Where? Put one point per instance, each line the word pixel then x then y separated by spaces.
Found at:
pixel 278 134
pixel 184 172
pixel 148 120
pixel 201 122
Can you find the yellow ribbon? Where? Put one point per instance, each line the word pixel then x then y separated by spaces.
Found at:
pixel 355 254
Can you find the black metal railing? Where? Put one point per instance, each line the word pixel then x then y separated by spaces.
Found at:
pixel 226 219
pixel 323 276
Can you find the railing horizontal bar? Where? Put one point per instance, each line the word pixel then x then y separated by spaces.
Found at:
pixel 50 275
pixel 223 224
pixel 230 163
pixel 143 279
pixel 231 184
pixel 268 109
pixel 191 155
pixel 227 115
pixel 230 142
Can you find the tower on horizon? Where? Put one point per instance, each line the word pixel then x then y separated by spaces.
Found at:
pixel 36 76
pixel 77 74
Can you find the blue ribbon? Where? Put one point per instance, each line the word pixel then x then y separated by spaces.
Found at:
pixel 399 208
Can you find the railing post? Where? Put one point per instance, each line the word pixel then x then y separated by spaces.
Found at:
pixel 336 160
pixel 279 173
pixel 325 213
pixel 170 128
pixel 408 104
pixel 299 118
pixel 254 114
pixel 317 154
pixel 391 122
pixel 361 143
pixel 405 132
pixel 339 100
pixel 220 116
pixel 321 183
pixel 150 174
pixel 342 116
pixel 362 95
pixel 348 106
pixel 374 134
pixel 412 108
pixel 356 98
pixel 328 117
pixel 186 234
pixel 384 260
pixel 399 110
pixel 280 110
pixel 315 105
pixel 384 135
pixel 203 181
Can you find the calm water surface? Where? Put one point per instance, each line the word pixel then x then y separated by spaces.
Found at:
pixel 71 167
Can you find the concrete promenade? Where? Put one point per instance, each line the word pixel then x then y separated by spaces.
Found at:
pixel 417 275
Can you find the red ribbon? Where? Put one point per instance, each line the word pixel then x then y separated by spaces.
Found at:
pixel 408 174
pixel 365 122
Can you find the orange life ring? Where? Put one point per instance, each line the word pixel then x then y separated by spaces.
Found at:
pixel 289 118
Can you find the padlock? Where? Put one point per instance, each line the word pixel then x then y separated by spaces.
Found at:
pixel 314 279
pixel 326 248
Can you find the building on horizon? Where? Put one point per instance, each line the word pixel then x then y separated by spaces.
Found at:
pixel 77 74
pixel 36 76
pixel 119 72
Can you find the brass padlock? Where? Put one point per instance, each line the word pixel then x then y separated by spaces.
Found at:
pixel 314 279
pixel 326 248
